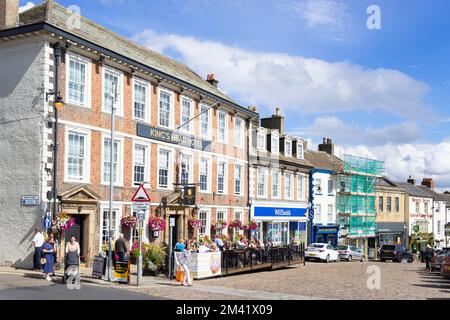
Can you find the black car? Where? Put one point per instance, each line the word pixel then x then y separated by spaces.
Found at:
pixel 396 253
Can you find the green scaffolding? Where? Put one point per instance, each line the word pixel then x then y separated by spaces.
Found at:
pixel 356 195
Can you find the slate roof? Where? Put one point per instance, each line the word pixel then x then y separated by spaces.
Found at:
pixel 323 160
pixel 56 15
pixel 417 190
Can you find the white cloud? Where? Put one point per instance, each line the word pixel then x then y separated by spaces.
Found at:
pixel 294 82
pixel 352 134
pixel 417 160
pixel 27 6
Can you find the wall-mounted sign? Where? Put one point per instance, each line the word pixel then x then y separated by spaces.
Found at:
pixel 416 228
pixel 189 196
pixel 280 212
pixel 170 136
pixel 29 201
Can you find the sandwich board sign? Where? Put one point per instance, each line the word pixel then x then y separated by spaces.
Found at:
pixel 141 199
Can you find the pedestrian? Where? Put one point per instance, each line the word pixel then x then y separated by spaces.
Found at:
pixel 48 250
pixel 120 247
pixel 429 253
pixel 72 252
pixel 184 262
pixel 37 243
pixel 52 241
pixel 180 246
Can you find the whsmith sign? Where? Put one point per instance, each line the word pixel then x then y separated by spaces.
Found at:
pixel 170 136
pixel 279 212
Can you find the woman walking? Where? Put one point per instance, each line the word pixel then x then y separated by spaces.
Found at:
pixel 185 260
pixel 48 249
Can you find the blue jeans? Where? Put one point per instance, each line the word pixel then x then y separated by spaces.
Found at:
pixel 122 256
pixel 37 258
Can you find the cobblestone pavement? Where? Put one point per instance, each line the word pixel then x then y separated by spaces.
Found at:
pixel 342 280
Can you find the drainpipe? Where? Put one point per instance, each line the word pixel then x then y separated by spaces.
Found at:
pixel 57 57
pixel 249 127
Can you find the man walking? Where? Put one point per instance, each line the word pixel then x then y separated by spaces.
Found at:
pixel 37 243
pixel 121 247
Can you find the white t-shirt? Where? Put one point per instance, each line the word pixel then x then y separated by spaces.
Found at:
pixel 38 240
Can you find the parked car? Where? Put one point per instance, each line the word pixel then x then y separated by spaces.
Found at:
pixel 445 270
pixel 321 251
pixel 393 252
pixel 438 258
pixel 350 253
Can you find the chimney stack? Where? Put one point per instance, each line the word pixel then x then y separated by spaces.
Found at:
pixel 212 79
pixel 327 146
pixel 428 182
pixel 411 181
pixel 276 122
pixel 9 14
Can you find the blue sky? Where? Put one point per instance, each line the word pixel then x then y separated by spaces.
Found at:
pixel 382 93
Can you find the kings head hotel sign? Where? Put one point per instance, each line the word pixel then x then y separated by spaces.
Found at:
pixel 170 136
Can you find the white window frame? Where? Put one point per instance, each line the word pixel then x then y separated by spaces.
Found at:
pixel 191 114
pixel 263 147
pixel 318 213
pixel 172 107
pixel 120 160
pixel 291 175
pixel 275 135
pixel 209 163
pixel 225 129
pixel 264 173
pixel 148 98
pixel 147 164
pixel 300 182
pixel 300 155
pixel 241 180
pixel 116 226
pixel 209 133
pixel 120 102
pixel 330 213
pixel 225 218
pixel 191 165
pixel 241 218
pixel 330 180
pixel 225 178
pixel 208 222
pixel 239 134
pixel 279 184
pixel 287 142
pixel 87 149
pixel 170 173
pixel 88 81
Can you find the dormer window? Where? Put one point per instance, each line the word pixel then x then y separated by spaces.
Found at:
pixel 300 151
pixel 288 148
pixel 275 144
pixel 261 142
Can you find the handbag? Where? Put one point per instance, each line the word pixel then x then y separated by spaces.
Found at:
pixel 43 261
pixel 179 275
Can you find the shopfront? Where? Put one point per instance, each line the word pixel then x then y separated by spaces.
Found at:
pixel 390 233
pixel 281 225
pixel 326 234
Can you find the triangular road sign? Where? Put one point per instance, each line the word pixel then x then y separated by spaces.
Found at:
pixel 141 195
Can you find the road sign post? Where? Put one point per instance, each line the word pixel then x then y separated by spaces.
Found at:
pixel 141 203
pixel 171 225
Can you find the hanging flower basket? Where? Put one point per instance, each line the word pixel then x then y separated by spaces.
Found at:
pixel 236 224
pixel 195 223
pixel 129 221
pixel 219 225
pixel 252 225
pixel 156 224
pixel 63 223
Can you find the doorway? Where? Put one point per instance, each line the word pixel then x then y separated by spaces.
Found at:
pixel 78 231
pixel 176 229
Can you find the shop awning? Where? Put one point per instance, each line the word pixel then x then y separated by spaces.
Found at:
pixel 384 227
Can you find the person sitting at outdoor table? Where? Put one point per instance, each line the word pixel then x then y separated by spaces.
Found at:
pixel 240 244
pixel 218 241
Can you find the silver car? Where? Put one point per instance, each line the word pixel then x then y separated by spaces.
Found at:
pixel 350 253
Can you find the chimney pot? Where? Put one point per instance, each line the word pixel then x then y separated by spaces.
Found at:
pixel 429 183
pixel 211 78
pixel 9 14
pixel 411 181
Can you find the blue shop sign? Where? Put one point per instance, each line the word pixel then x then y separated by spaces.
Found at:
pixel 280 212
